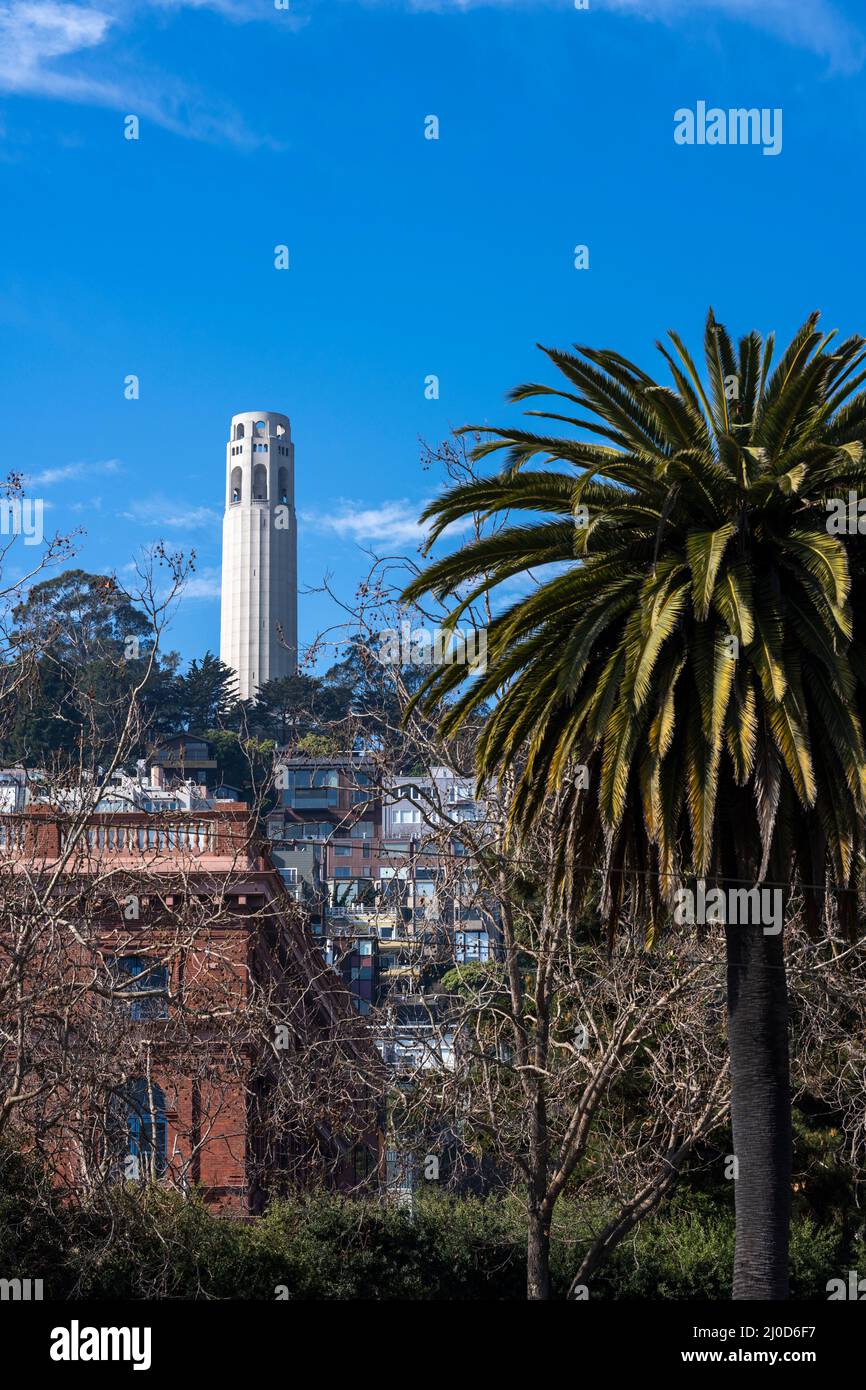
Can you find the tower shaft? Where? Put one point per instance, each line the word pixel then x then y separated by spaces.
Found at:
pixel 258 617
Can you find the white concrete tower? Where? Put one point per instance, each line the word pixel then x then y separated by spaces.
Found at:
pixel 259 604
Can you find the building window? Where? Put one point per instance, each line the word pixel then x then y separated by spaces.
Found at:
pixel 236 484
pixel 145 1126
pixel 313 798
pixel 471 946
pixel 142 986
pixel 322 777
pixel 365 1163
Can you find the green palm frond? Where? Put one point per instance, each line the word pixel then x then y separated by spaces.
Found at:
pixel 701 645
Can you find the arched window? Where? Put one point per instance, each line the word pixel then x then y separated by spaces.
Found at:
pixel 283 485
pixel 239 431
pixel 281 429
pixel 145 1129
pixel 237 484
pixel 261 427
pixel 260 483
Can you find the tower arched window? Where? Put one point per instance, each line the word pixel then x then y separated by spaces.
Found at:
pixel 236 493
pixel 283 485
pixel 260 483
pixel 239 431
pixel 144 1103
pixel 261 427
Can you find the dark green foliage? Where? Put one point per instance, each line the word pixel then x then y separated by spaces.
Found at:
pixel 151 1243
pixel 80 618
pixel 243 761
pixel 287 708
pixel 687 1252
pixel 82 646
pixel 204 697
pixel 35 1231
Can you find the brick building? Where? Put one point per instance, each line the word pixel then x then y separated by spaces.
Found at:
pixel 183 1026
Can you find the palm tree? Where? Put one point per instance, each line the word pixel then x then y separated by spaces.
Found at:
pixel 694 649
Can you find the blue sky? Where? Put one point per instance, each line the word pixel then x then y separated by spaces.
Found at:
pixel 409 257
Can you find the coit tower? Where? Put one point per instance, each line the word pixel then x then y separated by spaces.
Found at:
pixel 259 604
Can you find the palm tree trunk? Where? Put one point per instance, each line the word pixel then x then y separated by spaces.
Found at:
pixel 760 1110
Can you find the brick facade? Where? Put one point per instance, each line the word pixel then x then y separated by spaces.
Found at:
pixel 187 953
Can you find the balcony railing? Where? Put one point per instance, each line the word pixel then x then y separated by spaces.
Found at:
pixel 194 837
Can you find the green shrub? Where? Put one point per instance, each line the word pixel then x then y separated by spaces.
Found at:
pixel 147 1242
pixel 686 1251
pixel 34 1228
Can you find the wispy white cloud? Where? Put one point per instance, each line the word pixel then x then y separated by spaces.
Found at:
pixel 820 26
pixel 73 52
pixel 67 52
pixel 233 9
pixel 66 472
pixel 37 31
pixel 203 583
pixel 176 514
pixel 391 523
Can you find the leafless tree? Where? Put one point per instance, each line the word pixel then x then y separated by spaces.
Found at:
pixel 525 1057
pixel 155 976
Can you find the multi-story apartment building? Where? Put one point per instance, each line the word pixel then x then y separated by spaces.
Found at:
pixel 180 774
pixel 426 813
pixel 384 867
pixel 389 885
pixel 184 757
pixel 323 833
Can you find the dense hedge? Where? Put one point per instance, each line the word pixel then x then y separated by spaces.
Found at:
pixel 155 1244
pixel 687 1251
